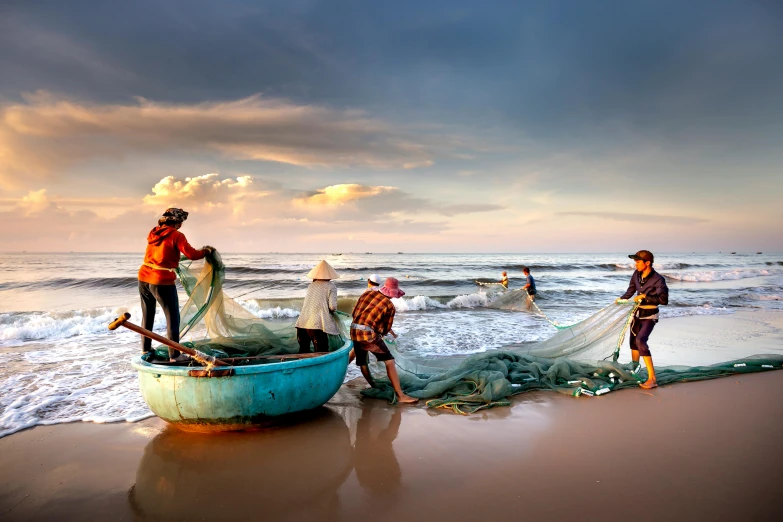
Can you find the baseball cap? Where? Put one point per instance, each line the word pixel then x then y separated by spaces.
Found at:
pixel 643 255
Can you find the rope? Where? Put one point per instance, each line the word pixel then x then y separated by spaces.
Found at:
pixel 264 287
pixel 625 328
pixel 542 314
pixel 481 283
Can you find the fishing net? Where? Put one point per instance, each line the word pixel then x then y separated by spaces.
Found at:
pixel 578 360
pixel 218 325
pixel 519 300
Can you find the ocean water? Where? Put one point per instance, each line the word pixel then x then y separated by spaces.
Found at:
pixel 59 363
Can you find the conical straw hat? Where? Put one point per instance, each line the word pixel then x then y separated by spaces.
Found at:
pixel 323 270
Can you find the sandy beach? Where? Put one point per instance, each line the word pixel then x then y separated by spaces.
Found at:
pixel 206 208
pixel 695 451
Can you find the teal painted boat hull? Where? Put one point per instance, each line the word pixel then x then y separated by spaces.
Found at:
pixel 252 396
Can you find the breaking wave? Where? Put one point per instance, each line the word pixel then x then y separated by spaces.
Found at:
pixel 715 275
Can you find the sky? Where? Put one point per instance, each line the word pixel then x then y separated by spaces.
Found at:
pixel 353 126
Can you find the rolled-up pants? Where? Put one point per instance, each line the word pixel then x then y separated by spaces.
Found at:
pixel 319 338
pixel 166 295
pixel 640 332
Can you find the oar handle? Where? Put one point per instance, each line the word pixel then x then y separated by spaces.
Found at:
pixel 119 321
pixel 199 356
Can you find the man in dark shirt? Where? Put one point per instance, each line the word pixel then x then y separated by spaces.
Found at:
pixel 652 291
pixel 529 288
pixel 530 283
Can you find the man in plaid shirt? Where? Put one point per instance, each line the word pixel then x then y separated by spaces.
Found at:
pixel 373 317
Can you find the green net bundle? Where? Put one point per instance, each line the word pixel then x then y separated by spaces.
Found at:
pixel 217 325
pixel 578 360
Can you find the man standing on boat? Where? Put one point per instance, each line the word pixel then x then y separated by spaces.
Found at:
pixel 652 291
pixel 157 276
pixel 373 317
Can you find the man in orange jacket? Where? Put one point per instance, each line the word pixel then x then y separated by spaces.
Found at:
pixel 157 276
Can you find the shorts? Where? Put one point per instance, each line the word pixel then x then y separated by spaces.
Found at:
pixel 377 347
pixel 640 332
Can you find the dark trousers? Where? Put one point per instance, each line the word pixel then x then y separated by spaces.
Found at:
pixel 166 295
pixel 640 332
pixel 319 338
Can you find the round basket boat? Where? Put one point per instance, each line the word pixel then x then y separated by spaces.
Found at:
pixel 240 397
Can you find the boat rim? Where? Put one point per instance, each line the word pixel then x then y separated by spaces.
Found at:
pixel 141 365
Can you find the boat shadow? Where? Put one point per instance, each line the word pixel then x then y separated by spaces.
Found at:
pixel 270 473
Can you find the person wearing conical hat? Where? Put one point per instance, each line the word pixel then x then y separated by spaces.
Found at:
pixel 373 317
pixel 157 276
pixel 316 322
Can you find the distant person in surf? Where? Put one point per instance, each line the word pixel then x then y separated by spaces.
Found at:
pixel 316 322
pixel 504 280
pixel 157 277
pixel 652 291
pixel 530 284
pixel 373 317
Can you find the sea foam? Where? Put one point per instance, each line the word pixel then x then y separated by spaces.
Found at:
pixel 37 326
pixel 717 275
pixel 421 302
pixel 88 381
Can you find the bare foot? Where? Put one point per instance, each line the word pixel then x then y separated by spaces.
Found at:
pixel 649 385
pixel 406 400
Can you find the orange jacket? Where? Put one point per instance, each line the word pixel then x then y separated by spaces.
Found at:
pixel 163 248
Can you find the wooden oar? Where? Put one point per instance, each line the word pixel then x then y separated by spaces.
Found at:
pixel 282 357
pixel 199 356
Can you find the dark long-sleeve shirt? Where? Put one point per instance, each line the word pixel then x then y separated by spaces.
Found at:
pixel 653 287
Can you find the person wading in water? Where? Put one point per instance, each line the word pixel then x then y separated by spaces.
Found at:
pixel 157 276
pixel 652 291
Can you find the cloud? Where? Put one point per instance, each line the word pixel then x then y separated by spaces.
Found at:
pixel 241 213
pixel 206 192
pixel 339 195
pixel 246 202
pixel 34 202
pixel 468 208
pixel 47 134
pixel 638 218
pixel 348 200
pixel 234 214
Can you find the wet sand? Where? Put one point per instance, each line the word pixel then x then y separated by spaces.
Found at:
pixel 695 451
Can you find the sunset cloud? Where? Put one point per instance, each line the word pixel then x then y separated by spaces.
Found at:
pixel 48 133
pixel 235 214
pixel 638 218
pixel 34 202
pixel 339 195
pixel 349 200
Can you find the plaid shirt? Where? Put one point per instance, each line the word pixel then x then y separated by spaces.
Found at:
pixel 375 310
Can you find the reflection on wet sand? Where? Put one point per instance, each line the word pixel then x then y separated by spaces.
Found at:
pixel 287 473
pixel 376 464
